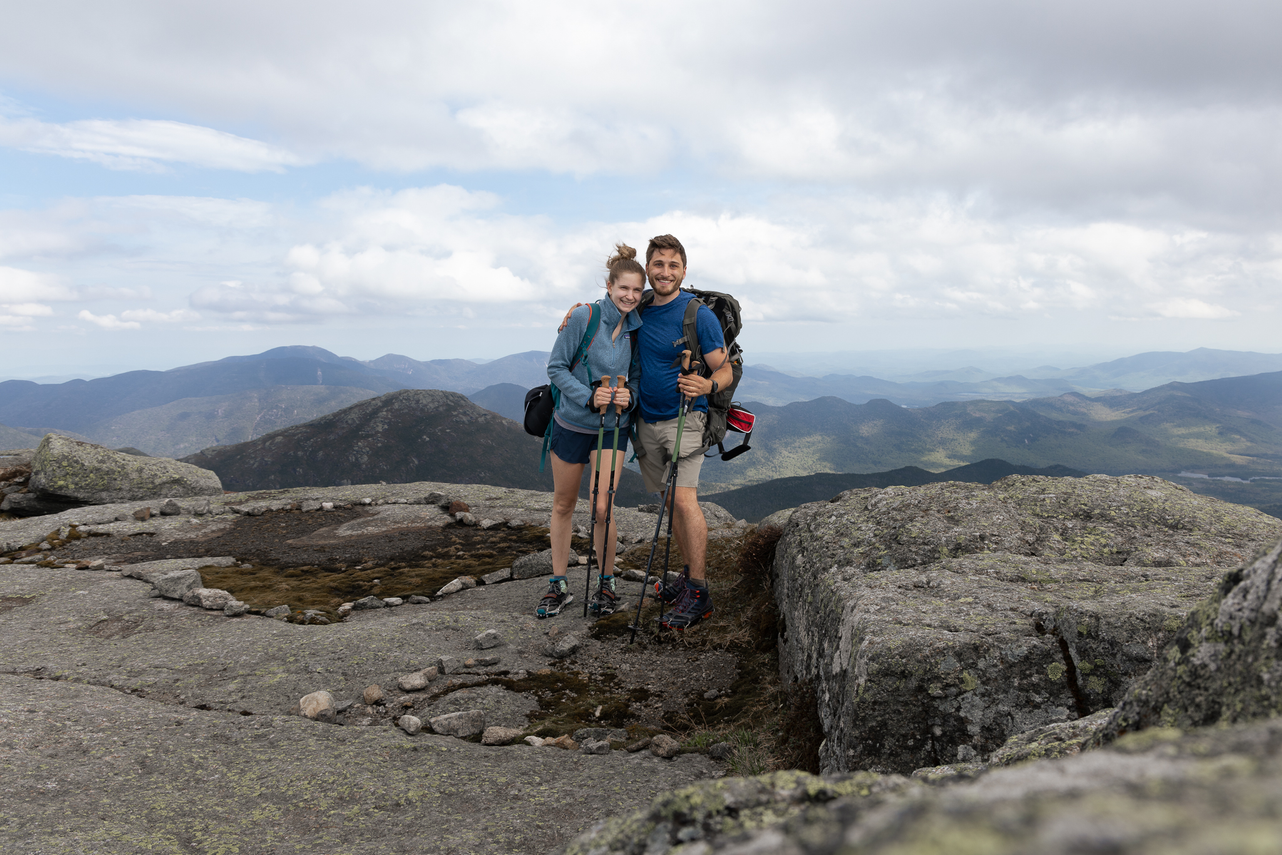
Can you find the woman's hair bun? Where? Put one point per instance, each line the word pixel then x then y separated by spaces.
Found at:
pixel 622 252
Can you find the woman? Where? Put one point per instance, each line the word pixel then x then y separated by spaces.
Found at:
pixel 577 421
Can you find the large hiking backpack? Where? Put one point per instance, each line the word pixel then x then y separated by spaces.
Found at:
pixel 723 413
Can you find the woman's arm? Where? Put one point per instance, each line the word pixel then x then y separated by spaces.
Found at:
pixel 563 353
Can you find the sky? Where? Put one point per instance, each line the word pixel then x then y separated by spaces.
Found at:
pixel 181 182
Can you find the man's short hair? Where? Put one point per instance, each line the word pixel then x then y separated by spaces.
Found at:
pixel 665 242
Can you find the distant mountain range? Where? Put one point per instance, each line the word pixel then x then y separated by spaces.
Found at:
pixel 760 500
pixel 181 411
pixel 1132 373
pixel 1231 426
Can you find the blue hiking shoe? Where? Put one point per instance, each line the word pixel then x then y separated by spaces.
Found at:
pixel 694 605
pixel 606 599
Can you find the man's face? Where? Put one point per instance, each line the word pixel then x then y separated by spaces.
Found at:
pixel 665 271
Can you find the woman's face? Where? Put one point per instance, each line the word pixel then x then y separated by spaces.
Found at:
pixel 626 290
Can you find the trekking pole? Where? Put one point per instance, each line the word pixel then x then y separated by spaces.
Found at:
pixel 596 487
pixel 669 497
pixel 614 457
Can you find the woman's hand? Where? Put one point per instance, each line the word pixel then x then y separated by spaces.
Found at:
pixel 601 398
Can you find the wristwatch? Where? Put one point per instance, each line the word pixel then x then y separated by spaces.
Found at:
pixel 714 388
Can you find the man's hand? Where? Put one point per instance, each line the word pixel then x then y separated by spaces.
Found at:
pixel 696 385
pixel 566 319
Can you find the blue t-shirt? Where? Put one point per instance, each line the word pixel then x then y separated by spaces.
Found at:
pixel 659 345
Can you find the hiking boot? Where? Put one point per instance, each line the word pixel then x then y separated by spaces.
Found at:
pixel 694 606
pixel 672 591
pixel 605 601
pixel 557 598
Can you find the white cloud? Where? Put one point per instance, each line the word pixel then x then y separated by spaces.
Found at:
pixel 108 322
pixel 144 144
pixel 1190 307
pixel 18 285
pixel 155 317
pixel 1137 103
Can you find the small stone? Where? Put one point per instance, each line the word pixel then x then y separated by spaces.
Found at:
pixel 486 525
pixel 170 509
pixel 596 746
pixel 411 724
pixel 200 508
pixel 327 506
pixel 142 514
pixel 418 600
pixel 460 724
pixel 393 601
pixel 497 576
pixel 711 695
pixel 488 639
pixel 481 662
pixel 633 575
pixel 664 746
pixel 435 498
pixel 566 743
pixel 279 612
pixel 459 584
pixel 465 519
pixel 316 705
pixel 370 602
pixel 96 564
pixel 372 695
pixel 457 507
pixel 235 608
pixel 367 501
pixel 562 646
pixel 212 599
pixel 639 745
pixel 721 751
pixel 344 610
pixel 418 681
pixel 500 735
pixel 536 741
pixel 450 664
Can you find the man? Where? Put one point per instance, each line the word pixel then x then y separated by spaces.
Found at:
pixel 663 387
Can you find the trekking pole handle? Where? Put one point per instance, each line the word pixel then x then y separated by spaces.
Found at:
pixel 605 381
pixel 623 382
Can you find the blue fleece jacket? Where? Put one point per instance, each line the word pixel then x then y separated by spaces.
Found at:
pixel 605 357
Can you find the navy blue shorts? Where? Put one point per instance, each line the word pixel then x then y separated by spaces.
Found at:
pixel 575 447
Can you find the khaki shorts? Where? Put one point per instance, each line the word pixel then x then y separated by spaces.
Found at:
pixel 657 439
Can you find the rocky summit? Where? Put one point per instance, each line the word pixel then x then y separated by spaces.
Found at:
pixel 936 622
pixel 1022 666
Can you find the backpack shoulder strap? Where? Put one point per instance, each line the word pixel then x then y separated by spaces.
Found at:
pixel 589 335
pixel 690 328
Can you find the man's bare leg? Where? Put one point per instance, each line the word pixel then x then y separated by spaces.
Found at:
pixel 690 530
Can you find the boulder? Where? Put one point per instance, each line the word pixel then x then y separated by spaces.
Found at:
pixel 935 622
pixel 1210 790
pixel 70 470
pixel 1224 664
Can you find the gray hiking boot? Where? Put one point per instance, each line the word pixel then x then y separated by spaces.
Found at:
pixel 557 598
